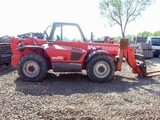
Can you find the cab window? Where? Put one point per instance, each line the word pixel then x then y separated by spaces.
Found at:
pixel 67 33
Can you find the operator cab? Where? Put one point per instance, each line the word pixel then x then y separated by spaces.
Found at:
pixel 67 32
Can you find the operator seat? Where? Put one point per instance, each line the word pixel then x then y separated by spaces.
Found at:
pixel 58 38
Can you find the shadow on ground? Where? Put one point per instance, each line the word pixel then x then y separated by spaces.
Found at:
pixel 65 84
pixel 5 69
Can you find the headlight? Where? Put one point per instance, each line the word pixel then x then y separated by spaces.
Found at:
pixel 19 45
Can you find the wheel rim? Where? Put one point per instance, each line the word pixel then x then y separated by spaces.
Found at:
pixel 101 69
pixel 31 69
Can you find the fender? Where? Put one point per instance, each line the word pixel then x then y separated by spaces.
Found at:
pixel 97 52
pixel 23 49
pixel 31 47
pixel 15 59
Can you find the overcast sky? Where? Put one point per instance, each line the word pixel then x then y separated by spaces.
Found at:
pixel 21 16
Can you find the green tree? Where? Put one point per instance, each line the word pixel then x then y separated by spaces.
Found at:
pixel 157 33
pixel 145 34
pixel 116 39
pixel 130 37
pixel 122 12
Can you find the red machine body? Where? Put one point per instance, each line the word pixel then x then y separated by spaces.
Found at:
pixel 59 51
pixel 33 57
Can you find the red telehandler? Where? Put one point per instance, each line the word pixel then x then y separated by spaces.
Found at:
pixel 63 48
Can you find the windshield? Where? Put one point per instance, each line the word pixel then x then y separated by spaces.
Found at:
pixel 156 41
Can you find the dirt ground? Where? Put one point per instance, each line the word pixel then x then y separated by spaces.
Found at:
pixel 74 97
pixel 153 64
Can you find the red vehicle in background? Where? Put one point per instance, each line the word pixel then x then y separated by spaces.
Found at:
pixel 107 39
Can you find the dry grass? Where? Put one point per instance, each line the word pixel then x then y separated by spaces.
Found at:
pixel 74 97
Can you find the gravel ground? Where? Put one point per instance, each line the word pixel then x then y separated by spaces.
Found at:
pixel 74 97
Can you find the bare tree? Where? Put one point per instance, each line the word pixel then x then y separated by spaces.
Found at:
pixel 122 12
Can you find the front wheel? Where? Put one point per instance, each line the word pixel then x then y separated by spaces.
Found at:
pixel 100 69
pixel 32 68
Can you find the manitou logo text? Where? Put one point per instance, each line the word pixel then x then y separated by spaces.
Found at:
pixel 58 58
pixel 106 48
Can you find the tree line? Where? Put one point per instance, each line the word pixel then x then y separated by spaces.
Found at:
pixel 144 34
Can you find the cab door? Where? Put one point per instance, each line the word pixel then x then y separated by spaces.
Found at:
pixel 68 34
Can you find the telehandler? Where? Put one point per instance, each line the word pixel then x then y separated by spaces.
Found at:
pixel 63 48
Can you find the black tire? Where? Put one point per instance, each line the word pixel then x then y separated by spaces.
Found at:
pixel 96 69
pixel 32 68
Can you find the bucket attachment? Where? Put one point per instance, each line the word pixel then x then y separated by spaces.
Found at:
pixel 142 64
pixel 140 61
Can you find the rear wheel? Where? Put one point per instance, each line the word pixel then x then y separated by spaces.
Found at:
pixel 100 69
pixel 32 67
